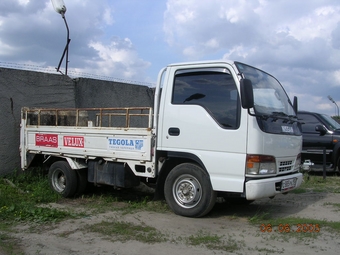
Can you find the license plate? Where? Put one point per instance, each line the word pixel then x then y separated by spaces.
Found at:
pixel 287 129
pixel 288 184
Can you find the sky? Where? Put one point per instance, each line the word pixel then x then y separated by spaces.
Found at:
pixel 297 41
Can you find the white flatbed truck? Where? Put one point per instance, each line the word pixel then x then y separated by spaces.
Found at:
pixel 217 128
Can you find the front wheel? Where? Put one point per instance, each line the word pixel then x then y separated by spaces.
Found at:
pixel 63 179
pixel 188 191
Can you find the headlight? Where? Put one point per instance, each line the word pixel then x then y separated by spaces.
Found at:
pixel 260 165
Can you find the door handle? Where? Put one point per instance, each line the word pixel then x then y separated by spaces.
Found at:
pixel 173 131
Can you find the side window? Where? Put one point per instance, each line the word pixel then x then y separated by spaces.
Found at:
pixel 309 123
pixel 215 91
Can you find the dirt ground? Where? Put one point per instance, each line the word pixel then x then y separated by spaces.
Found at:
pixel 231 222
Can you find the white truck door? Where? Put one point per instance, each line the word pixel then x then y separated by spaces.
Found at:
pixel 201 114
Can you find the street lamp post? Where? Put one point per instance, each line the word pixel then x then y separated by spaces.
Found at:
pixel 332 100
pixel 60 8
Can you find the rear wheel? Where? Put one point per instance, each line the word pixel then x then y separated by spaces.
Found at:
pixel 188 191
pixel 63 179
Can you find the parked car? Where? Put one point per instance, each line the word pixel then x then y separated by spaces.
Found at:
pixel 321 134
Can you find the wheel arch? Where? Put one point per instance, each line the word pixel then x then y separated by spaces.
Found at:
pixel 74 163
pixel 172 159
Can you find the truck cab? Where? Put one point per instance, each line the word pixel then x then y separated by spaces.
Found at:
pixel 224 144
pixel 321 135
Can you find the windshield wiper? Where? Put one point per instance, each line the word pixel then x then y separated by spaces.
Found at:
pixel 285 117
pixel 279 113
pixel 275 116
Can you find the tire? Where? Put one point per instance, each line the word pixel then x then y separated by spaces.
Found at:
pixel 188 191
pixel 63 179
pixel 82 181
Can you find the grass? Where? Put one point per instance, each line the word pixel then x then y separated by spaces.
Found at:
pixel 21 195
pixel 21 200
pixel 316 183
pixel 214 242
pixel 8 245
pixel 301 228
pixel 126 201
pixel 124 231
pixel 25 198
pixel 335 205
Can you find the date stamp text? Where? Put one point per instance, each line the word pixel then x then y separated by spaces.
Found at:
pixel 290 228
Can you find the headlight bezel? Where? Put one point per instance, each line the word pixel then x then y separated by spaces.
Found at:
pixel 260 165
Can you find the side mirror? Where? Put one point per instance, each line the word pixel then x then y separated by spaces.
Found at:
pixel 295 105
pixel 247 94
pixel 321 129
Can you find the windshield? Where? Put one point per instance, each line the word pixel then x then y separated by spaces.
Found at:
pixel 269 96
pixel 331 123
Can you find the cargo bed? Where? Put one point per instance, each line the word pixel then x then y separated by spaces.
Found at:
pixel 114 134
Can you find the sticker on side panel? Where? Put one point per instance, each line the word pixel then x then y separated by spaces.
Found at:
pixel 46 140
pixel 126 144
pixel 74 141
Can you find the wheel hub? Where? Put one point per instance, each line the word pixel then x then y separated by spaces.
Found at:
pixel 187 191
pixel 59 181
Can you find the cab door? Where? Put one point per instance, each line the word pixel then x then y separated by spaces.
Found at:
pixel 201 117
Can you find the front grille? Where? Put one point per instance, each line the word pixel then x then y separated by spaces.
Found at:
pixel 285 166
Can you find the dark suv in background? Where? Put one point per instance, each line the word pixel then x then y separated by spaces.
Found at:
pixel 320 132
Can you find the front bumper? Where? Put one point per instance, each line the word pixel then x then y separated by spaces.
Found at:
pixel 262 188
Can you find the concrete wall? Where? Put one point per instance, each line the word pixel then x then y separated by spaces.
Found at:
pixel 20 88
pixel 98 93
